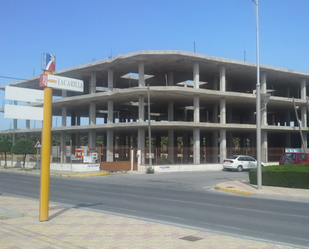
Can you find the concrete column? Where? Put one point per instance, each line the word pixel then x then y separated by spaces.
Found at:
pixel 92 113
pixel 141 143
pixel 303 89
pixel 63 148
pixel 196 75
pixel 222 145
pixel 91 138
pixel 170 149
pixel 110 145
pixel 222 79
pixel 222 115
pixel 64 116
pixel 141 74
pixel 93 83
pixel 110 79
pixel 303 118
pixel 170 78
pixel 110 111
pixel 222 111
pixel 141 109
pixel 196 146
pixel 196 117
pixel 170 110
pixel 264 108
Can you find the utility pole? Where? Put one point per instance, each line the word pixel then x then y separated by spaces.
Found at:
pixel 258 101
pixel 149 131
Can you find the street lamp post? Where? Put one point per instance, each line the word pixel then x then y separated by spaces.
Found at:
pixel 258 101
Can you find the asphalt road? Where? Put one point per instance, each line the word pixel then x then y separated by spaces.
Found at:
pixel 184 199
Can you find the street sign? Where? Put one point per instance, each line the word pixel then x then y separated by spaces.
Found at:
pixel 62 83
pixel 24 94
pixel 37 145
pixel 23 112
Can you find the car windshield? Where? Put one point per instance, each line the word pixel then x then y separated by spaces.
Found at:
pixel 286 156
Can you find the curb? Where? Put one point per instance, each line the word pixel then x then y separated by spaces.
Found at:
pixel 83 175
pixel 245 192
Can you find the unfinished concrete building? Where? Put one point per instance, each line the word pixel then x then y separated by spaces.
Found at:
pixel 206 101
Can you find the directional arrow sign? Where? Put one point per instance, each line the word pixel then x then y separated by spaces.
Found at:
pixel 62 83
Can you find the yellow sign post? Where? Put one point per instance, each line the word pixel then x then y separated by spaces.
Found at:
pixel 46 146
pixel 49 82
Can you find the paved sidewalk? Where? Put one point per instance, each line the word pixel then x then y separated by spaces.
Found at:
pixel 77 228
pixel 244 187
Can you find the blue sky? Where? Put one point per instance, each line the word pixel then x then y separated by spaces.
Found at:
pixel 80 31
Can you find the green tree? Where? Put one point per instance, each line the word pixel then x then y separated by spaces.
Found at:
pixel 24 147
pixel 56 140
pixel 100 140
pixel 5 147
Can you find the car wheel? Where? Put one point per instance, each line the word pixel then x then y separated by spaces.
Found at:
pixel 239 168
pixel 288 161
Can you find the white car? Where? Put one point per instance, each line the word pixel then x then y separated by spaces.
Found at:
pixel 239 162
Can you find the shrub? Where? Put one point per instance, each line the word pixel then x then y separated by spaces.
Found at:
pixel 150 170
pixel 288 176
